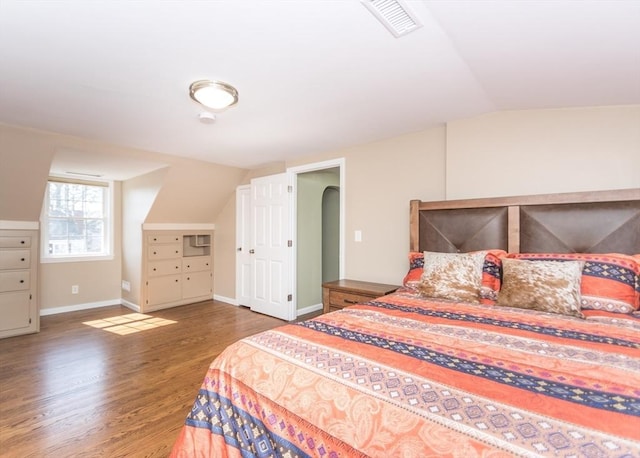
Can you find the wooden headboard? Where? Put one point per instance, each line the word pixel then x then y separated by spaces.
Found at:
pixel 583 222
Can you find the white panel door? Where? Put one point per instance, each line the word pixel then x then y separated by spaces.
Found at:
pixel 270 206
pixel 244 225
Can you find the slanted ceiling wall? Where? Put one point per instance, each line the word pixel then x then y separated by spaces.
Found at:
pixel 185 192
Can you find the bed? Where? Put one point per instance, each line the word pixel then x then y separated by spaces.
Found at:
pixel 516 333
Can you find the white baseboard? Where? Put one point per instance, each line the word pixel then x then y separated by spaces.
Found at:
pixel 226 300
pixel 130 305
pixel 77 307
pixel 309 309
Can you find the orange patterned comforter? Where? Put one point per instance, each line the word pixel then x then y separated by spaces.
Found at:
pixel 402 376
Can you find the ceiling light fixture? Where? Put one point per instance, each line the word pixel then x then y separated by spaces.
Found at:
pixel 213 94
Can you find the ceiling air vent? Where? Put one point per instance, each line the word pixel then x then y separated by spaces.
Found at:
pixel 395 15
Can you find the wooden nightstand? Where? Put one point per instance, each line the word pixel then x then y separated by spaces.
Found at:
pixel 343 293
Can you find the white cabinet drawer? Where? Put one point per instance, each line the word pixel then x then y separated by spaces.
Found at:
pixel 165 267
pixel 196 263
pixel 15 242
pixel 14 281
pixel 159 239
pixel 15 259
pixel 164 252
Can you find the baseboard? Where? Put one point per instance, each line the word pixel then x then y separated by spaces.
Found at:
pixel 226 300
pixel 130 305
pixel 77 307
pixel 309 309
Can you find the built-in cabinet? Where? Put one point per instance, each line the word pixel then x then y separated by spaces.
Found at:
pixel 177 268
pixel 19 312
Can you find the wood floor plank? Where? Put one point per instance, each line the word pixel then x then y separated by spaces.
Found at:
pixel 74 390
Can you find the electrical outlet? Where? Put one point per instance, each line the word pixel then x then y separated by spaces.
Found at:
pixel 126 285
pixel 358 236
pixel 75 289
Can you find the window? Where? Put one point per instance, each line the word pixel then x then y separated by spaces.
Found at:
pixel 76 220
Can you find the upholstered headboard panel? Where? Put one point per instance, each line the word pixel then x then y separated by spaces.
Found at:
pixel 464 230
pixel 603 227
pixel 589 222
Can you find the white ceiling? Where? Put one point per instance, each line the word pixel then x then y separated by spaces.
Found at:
pixel 313 75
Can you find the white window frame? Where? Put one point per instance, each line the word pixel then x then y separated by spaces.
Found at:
pixel 107 255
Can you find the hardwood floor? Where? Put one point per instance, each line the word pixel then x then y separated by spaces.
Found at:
pixel 75 390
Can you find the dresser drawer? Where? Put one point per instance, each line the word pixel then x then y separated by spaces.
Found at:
pixel 15 259
pixel 15 242
pixel 164 251
pixel 196 263
pixel 14 281
pixel 343 299
pixel 159 239
pixel 165 267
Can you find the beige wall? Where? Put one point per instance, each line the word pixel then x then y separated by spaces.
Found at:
pixel 381 179
pixel 544 151
pixel 224 251
pixel 25 160
pixel 138 196
pixel 194 192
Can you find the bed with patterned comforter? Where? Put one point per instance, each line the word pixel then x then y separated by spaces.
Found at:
pixel 408 376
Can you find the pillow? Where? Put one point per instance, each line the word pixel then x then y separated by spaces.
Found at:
pixel 610 282
pixel 490 284
pixel 547 286
pixel 452 276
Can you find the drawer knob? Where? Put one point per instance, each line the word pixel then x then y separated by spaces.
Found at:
pixel 155 252
pixel 188 266
pixel 21 281
pixel 21 259
pixel 22 242
pixel 176 280
pixel 154 269
pixel 350 301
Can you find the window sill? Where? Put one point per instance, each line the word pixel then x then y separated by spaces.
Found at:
pixel 58 259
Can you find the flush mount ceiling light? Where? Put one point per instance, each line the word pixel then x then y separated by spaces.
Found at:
pixel 213 94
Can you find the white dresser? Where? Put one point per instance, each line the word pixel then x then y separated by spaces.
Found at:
pixel 19 312
pixel 177 268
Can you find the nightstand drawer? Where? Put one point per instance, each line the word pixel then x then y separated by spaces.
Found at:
pixel 343 293
pixel 342 299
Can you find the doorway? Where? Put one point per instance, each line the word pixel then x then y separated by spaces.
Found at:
pixel 317 238
pixel 318 226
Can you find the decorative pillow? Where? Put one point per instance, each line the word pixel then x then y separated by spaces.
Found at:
pixel 547 286
pixel 490 284
pixel 452 276
pixel 609 282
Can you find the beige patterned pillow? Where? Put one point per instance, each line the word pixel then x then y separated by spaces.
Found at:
pixel 455 276
pixel 547 286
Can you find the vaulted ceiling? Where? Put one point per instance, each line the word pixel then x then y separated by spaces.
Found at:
pixel 312 75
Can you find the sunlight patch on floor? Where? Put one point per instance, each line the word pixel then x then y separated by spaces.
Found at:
pixel 128 324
